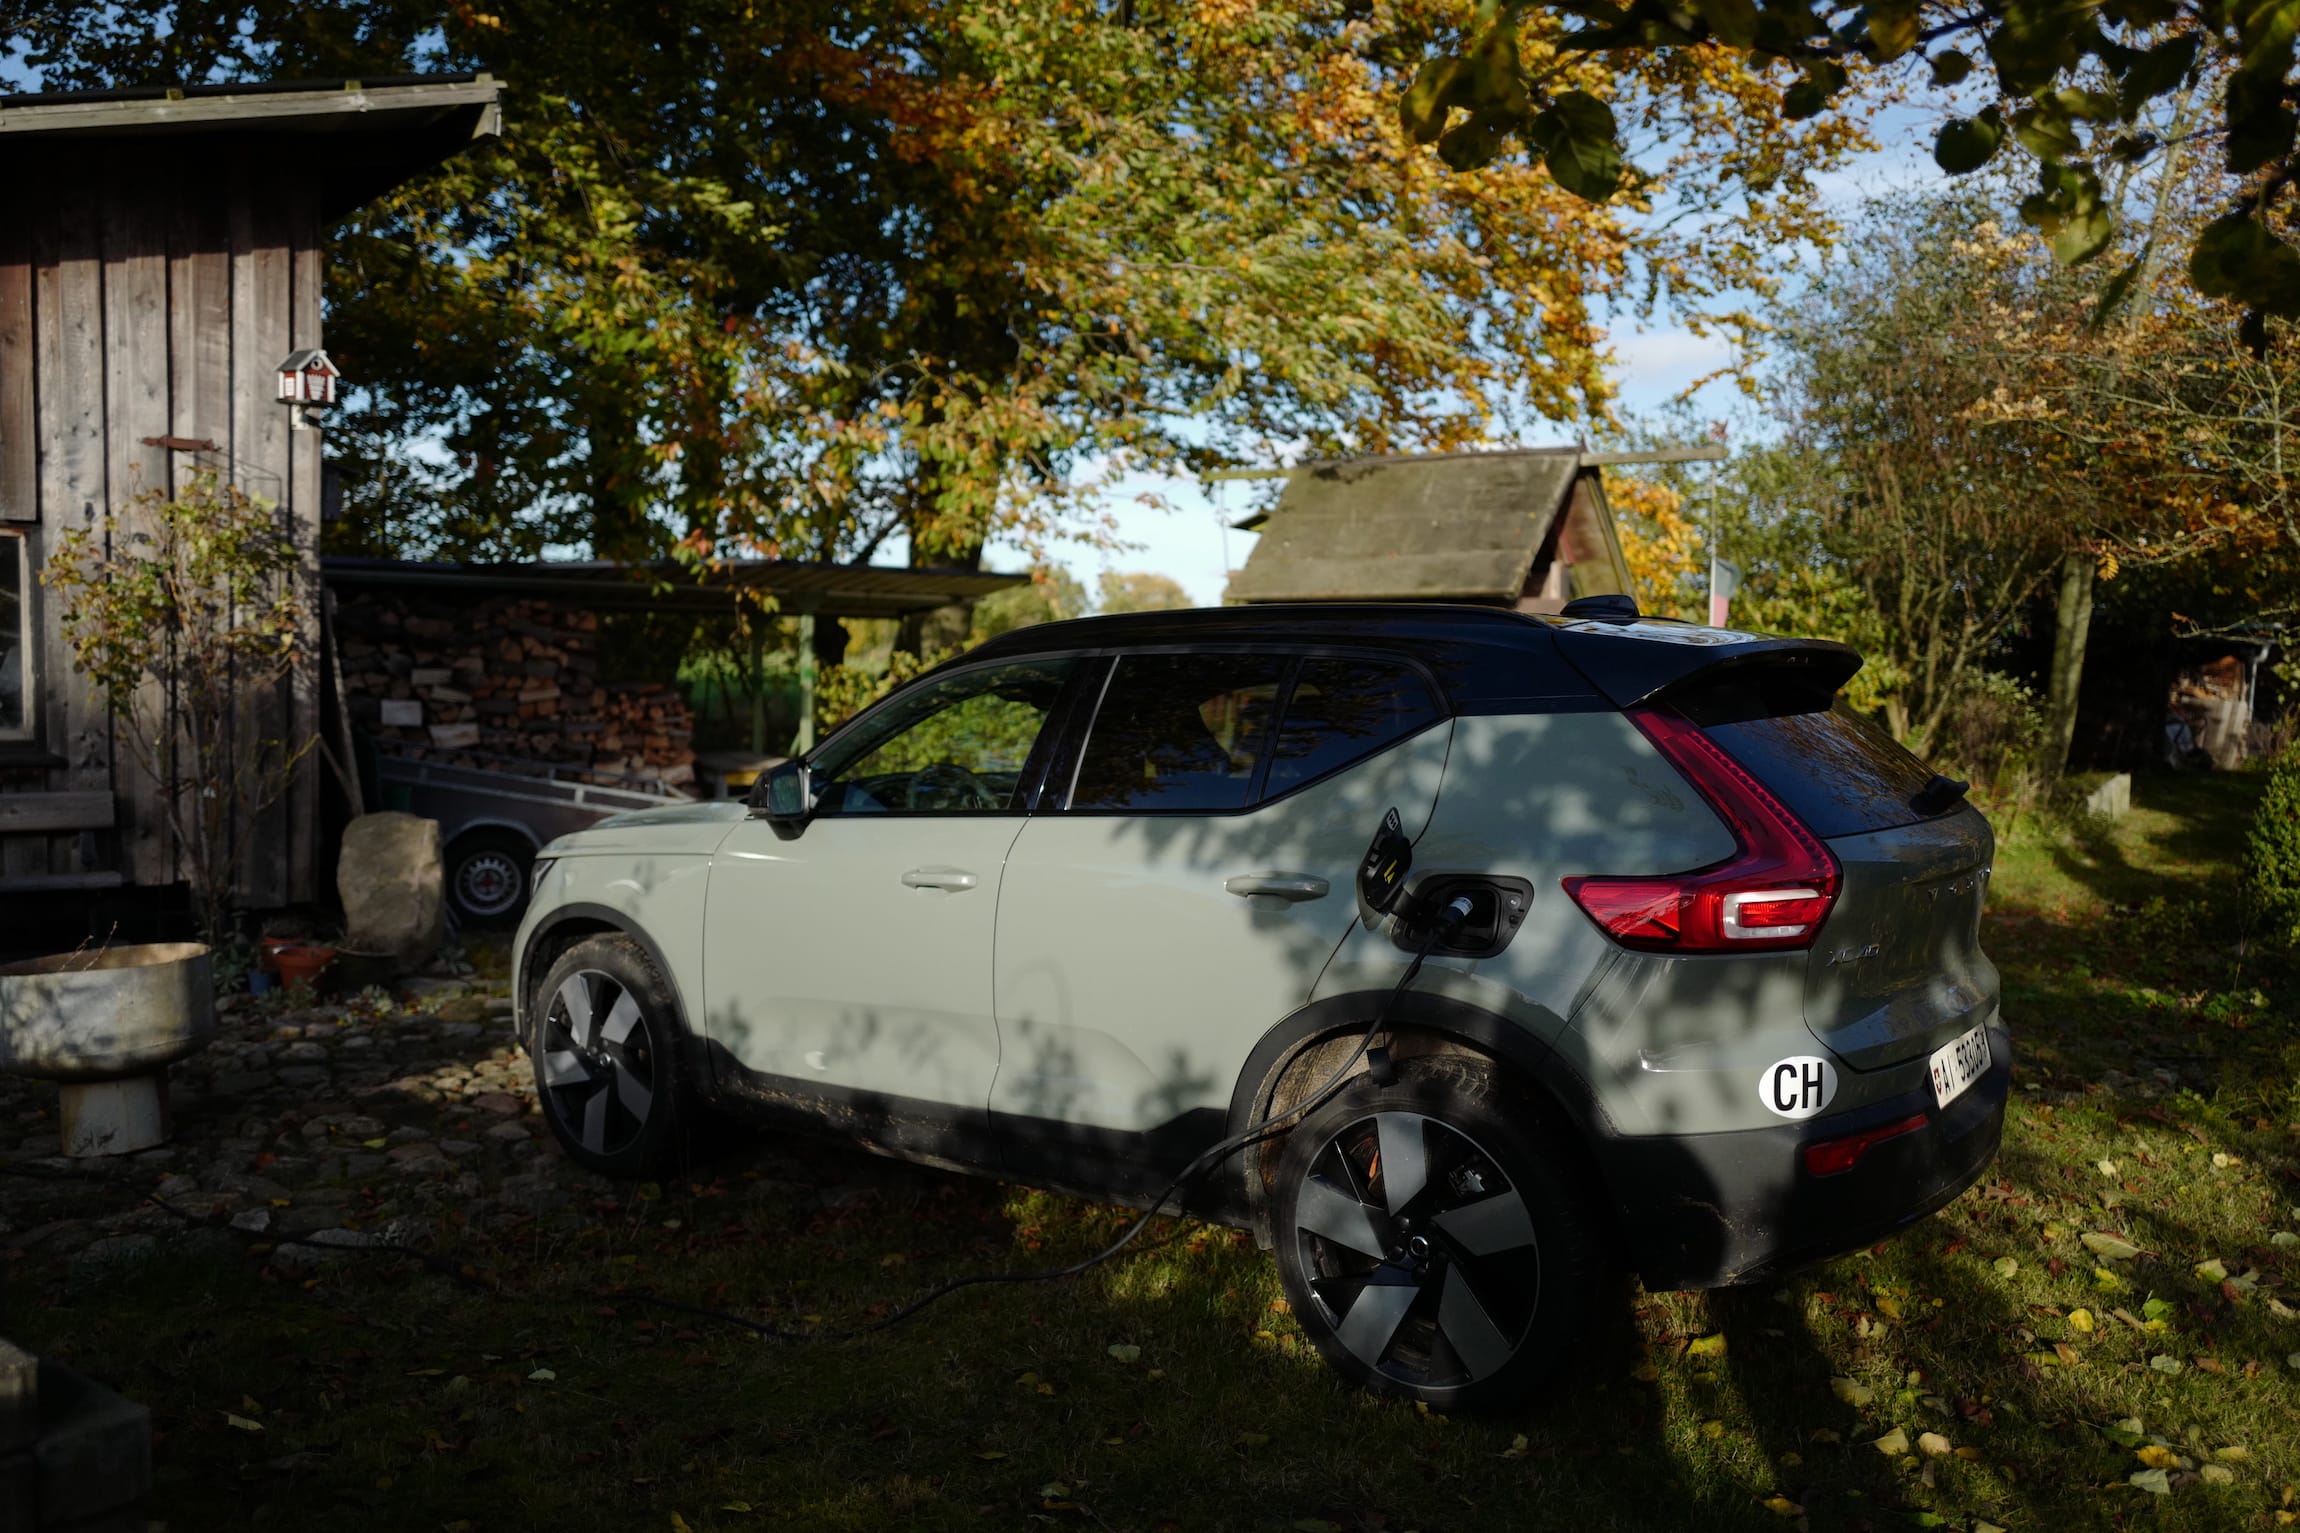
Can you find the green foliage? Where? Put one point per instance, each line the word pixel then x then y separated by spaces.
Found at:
pixel 2272 852
pixel 2077 86
pixel 185 611
pixel 1052 595
pixel 1142 591
pixel 1994 734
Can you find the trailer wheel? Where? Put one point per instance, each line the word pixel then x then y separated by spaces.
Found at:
pixel 488 877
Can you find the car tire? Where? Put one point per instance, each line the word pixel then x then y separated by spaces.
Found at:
pixel 1466 1278
pixel 490 873
pixel 605 1049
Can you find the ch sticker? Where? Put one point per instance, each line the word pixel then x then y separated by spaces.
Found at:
pixel 1797 1087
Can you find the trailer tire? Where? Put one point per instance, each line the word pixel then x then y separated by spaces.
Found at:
pixel 489 876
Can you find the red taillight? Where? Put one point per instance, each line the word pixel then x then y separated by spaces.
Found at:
pixel 1774 892
pixel 1830 1156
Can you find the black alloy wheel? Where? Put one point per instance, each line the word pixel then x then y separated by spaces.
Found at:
pixel 605 1066
pixel 1427 1242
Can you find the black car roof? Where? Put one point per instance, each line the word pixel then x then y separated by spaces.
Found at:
pixel 1488 659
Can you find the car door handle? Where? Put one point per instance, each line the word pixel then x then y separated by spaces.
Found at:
pixel 1286 886
pixel 952 879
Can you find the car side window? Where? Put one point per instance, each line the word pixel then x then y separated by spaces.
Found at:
pixel 1343 710
pixel 953 746
pixel 1179 733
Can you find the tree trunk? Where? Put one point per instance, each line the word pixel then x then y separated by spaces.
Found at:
pixel 2072 625
pixel 943 628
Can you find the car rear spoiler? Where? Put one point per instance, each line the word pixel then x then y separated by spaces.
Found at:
pixel 1646 660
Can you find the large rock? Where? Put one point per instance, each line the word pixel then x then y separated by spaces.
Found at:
pixel 391 885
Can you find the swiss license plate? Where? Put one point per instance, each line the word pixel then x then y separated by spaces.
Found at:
pixel 1957 1065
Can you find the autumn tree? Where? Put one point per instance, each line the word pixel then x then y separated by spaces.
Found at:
pixel 1142 591
pixel 813 279
pixel 2082 90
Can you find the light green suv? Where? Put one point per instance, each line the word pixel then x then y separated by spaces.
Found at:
pixel 1077 906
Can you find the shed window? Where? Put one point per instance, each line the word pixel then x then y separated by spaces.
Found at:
pixel 16 638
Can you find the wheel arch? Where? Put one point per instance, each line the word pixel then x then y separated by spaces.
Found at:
pixel 486 823
pixel 1298 1054
pixel 566 926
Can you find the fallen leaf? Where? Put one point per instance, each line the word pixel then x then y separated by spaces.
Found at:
pixel 1782 1506
pixel 2163 1363
pixel 2113 1248
pixel 2157 1456
pixel 1712 1428
pixel 1125 1352
pixel 1855 1395
pixel 2081 1319
pixel 989 1454
pixel 1934 1445
pixel 2212 1271
pixel 679 1524
pixel 541 1376
pixel 2068 1355
pixel 234 1419
pixel 736 1506
pixel 1893 1444
pixel 2284 1238
pixel 2217 1474
pixel 2007 1266
pixel 1517 1448
pixel 2223 1160
pixel 1888 1306
pixel 2235 1453
pixel 1645 1373
pixel 2154 1481
pixel 1712 1345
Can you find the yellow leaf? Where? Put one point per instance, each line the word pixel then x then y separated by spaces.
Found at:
pixel 2068 1355
pixel 1933 1445
pixel 2081 1319
pixel 232 1419
pixel 1893 1444
pixel 2212 1271
pixel 2233 1455
pixel 1855 1395
pixel 988 1454
pixel 2156 1456
pixel 1712 1345
pixel 679 1524
pixel 1712 1429
pixel 1888 1306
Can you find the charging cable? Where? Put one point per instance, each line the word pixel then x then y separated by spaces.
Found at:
pixel 1442 927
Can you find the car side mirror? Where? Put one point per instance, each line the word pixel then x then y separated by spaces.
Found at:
pixel 783 794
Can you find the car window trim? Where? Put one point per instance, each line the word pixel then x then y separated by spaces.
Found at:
pixel 1297 654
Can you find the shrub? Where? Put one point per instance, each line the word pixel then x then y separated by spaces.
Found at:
pixel 1995 735
pixel 2272 861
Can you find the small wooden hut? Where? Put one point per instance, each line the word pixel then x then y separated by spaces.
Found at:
pixel 1525 528
pixel 159 266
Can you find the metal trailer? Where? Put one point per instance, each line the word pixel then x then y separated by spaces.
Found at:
pixel 493 818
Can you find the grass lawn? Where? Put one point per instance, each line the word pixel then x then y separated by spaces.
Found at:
pixel 2102 1334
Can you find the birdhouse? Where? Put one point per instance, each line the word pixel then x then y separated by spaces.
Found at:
pixel 308 378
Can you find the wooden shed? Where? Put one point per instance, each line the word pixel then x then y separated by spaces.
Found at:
pixel 159 260
pixel 1526 528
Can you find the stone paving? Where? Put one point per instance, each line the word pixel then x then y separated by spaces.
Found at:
pixel 301 1129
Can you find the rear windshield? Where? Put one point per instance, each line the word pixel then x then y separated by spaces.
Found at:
pixel 1833 769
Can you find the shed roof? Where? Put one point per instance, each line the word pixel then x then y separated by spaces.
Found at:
pixel 355 139
pixel 1455 526
pixel 662 585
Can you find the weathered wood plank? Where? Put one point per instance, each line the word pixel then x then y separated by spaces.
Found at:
pixel 23 813
pixel 19 406
pixel 68 347
pixel 135 246
pixel 302 805
pixel 42 883
pixel 199 332
pixel 263 332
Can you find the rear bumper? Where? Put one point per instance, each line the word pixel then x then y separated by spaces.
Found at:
pixel 1710 1210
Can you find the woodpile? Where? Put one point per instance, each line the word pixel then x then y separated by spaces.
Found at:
pixel 508 678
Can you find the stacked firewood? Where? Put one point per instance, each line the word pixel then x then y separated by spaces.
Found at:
pixel 509 678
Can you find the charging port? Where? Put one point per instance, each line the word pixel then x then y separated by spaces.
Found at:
pixel 1497 907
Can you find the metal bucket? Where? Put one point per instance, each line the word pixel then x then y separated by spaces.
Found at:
pixel 103 1023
